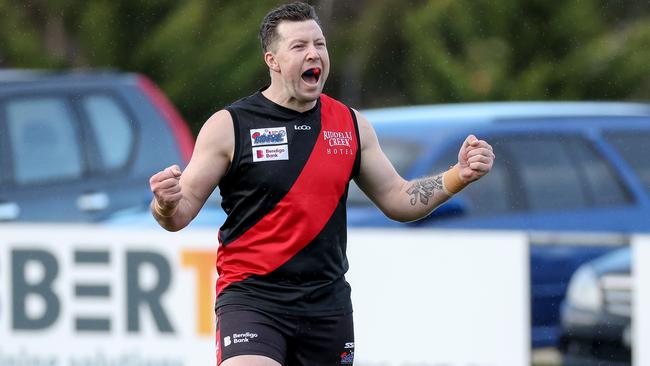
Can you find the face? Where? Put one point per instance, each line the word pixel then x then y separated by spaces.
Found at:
pixel 298 60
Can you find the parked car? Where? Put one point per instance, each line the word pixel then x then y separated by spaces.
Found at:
pixel 78 146
pixel 596 314
pixel 560 167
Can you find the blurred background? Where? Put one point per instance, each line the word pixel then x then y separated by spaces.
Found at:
pixel 205 54
pixel 86 85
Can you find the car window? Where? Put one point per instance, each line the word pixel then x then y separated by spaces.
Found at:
pixel 547 173
pixel 563 172
pixel 603 185
pixel 493 195
pixel 44 140
pixel 112 129
pixel 401 153
pixel 633 146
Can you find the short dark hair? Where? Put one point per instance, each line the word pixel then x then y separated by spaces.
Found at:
pixel 294 12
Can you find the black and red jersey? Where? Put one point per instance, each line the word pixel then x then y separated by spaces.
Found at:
pixel 282 247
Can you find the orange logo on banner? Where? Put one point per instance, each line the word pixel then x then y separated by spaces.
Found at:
pixel 204 263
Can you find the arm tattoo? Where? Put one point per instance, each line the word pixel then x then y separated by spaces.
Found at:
pixel 423 189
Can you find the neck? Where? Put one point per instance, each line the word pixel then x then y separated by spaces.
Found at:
pixel 278 95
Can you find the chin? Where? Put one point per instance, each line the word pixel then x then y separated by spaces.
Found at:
pixel 310 96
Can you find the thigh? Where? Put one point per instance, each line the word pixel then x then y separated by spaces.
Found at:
pixel 242 331
pixel 325 341
pixel 250 361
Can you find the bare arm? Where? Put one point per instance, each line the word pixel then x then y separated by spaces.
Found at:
pixel 178 196
pixel 404 200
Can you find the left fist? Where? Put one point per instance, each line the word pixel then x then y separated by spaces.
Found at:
pixel 475 159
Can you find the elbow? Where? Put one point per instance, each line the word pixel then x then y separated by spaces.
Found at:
pixel 402 217
pixel 407 215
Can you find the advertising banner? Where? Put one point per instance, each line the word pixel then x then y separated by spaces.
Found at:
pixel 433 298
pixel 95 296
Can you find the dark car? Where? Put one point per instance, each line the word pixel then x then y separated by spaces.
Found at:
pixel 79 146
pixel 596 314
pixel 560 168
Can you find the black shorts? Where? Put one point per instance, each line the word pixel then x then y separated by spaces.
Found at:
pixel 289 340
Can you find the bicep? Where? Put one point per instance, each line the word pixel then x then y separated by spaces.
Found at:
pixel 210 160
pixel 377 177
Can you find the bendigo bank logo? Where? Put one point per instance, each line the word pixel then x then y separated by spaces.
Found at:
pixel 338 142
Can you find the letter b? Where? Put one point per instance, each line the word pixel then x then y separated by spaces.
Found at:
pixel 22 288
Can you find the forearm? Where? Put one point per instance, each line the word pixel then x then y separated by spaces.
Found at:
pixel 416 199
pixel 173 219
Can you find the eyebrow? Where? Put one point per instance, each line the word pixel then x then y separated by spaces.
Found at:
pixel 303 40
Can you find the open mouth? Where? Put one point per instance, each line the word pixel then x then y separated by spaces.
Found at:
pixel 311 76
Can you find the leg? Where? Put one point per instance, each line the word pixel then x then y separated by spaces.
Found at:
pixel 250 361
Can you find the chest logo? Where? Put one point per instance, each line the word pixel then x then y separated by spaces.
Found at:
pixel 269 153
pixel 268 136
pixel 302 128
pixel 338 142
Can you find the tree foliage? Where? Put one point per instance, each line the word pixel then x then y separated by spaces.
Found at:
pixel 205 53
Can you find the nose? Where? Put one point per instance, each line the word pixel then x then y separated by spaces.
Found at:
pixel 312 53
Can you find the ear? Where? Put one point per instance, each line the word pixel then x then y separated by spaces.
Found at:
pixel 271 62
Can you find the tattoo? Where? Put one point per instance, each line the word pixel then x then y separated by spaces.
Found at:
pixel 423 189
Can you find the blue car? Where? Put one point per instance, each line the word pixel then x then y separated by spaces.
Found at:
pixel 561 168
pixel 79 146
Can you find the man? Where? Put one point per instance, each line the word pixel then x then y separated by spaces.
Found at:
pixel 283 158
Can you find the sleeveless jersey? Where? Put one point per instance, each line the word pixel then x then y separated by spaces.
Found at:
pixel 282 247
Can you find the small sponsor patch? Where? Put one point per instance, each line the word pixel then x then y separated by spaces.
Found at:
pixel 347 358
pixel 268 136
pixel 269 153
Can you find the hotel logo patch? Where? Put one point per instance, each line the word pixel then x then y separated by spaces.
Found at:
pixel 338 142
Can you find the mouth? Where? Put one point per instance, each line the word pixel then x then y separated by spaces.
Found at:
pixel 311 76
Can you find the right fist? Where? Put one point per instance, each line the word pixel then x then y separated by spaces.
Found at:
pixel 166 189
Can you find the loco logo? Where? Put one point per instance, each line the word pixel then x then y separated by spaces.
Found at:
pixel 268 136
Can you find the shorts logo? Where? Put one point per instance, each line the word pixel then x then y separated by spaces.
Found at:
pixel 244 337
pixel 347 358
pixel 268 136
pixel 269 153
pixel 226 341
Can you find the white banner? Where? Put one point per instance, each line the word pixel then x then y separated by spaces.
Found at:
pixel 94 296
pixel 641 300
pixel 80 295
pixel 432 298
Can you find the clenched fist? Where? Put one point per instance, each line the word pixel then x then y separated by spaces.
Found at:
pixel 166 189
pixel 475 159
